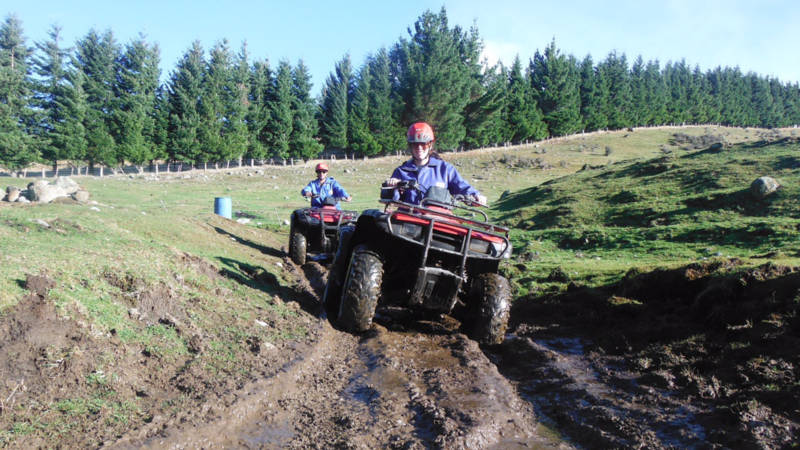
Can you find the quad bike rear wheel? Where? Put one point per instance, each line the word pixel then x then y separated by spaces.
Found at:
pixel 490 299
pixel 297 248
pixel 361 290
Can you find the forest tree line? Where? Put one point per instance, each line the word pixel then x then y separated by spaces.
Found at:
pixel 100 102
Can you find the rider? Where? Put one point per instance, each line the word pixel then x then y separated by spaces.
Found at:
pixel 428 169
pixel 324 187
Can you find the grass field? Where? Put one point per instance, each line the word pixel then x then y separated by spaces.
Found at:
pixel 584 210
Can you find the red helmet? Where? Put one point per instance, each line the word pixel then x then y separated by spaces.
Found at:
pixel 420 133
pixel 321 166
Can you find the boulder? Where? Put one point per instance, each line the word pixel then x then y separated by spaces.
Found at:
pixel 763 186
pixel 81 196
pixel 43 192
pixel 12 194
pixel 66 183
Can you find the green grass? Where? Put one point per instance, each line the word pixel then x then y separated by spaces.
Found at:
pixel 662 211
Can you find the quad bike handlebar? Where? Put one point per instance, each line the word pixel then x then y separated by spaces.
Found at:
pixel 436 196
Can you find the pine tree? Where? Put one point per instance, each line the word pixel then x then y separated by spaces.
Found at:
pixel 656 93
pixel 160 120
pixel 614 70
pixel 184 92
pixel 485 116
pixel 640 112
pixel 50 67
pixel 135 90
pixel 384 107
pixel 765 108
pixel 280 107
pixel 699 97
pixel 212 105
pixel 362 139
pixel 95 56
pixel 303 140
pixel 524 119
pixel 436 71
pixel 555 82
pixel 17 148
pixel 594 96
pixel 236 93
pixel 333 105
pixel 258 115
pixel 69 134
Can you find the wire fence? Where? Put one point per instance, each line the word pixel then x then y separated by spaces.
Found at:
pixel 328 154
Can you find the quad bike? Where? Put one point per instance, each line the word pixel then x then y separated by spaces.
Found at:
pixel 424 257
pixel 316 229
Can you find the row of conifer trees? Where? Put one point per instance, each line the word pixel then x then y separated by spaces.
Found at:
pixel 99 102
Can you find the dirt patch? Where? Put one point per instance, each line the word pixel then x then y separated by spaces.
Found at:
pixel 702 356
pixel 68 383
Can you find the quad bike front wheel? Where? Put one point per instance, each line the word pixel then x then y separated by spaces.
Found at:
pixel 297 248
pixel 361 290
pixel 490 299
pixel 332 297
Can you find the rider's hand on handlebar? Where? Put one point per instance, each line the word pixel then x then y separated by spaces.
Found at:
pixel 392 181
pixel 479 199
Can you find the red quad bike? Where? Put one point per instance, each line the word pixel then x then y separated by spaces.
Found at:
pixel 423 257
pixel 316 229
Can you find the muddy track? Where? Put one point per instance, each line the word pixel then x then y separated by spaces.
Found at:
pixel 427 387
pixel 599 378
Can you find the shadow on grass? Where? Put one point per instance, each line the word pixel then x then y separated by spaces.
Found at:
pixel 256 277
pixel 263 249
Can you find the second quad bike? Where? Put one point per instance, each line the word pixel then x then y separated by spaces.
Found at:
pixel 424 257
pixel 316 229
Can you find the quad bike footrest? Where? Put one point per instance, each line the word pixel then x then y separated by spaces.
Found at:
pixel 435 289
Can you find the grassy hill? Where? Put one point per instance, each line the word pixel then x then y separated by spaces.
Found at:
pixel 178 303
pixel 684 206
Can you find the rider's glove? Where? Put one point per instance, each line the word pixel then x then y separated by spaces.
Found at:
pixel 391 181
pixel 480 199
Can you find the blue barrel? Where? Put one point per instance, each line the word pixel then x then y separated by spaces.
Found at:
pixel 222 206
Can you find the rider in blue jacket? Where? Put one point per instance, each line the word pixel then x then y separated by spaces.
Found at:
pixel 427 169
pixel 324 187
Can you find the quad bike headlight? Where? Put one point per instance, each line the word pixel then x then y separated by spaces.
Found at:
pixel 499 248
pixel 479 246
pixel 411 230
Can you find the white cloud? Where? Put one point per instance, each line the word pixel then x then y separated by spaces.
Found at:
pixel 494 51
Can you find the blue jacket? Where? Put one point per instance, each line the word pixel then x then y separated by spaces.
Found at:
pixel 329 187
pixel 436 173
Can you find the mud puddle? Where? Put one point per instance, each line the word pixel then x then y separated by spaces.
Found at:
pixel 602 372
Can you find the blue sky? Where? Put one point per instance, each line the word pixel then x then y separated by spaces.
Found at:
pixel 760 36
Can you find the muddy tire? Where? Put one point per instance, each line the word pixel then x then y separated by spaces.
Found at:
pixel 361 290
pixel 332 297
pixel 297 248
pixel 490 299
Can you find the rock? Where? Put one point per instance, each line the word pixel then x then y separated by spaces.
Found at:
pixel 763 186
pixel 12 194
pixel 715 147
pixel 43 192
pixel 67 184
pixel 81 196
pixel 23 199
pixel 286 222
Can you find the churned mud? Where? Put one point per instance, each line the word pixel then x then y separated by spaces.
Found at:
pixel 699 357
pixel 703 356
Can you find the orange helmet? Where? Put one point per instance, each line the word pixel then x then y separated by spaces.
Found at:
pixel 420 133
pixel 321 166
